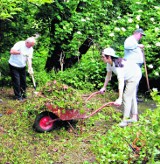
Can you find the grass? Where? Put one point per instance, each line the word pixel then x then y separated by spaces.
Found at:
pixel 21 144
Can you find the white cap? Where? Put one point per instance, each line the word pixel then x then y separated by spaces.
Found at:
pixel 110 52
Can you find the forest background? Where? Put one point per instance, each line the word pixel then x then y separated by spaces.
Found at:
pixel 70 29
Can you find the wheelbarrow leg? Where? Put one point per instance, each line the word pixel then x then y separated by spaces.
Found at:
pixel 72 127
pixel 81 125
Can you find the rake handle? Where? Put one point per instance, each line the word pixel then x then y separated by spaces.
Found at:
pixel 34 84
pixel 146 73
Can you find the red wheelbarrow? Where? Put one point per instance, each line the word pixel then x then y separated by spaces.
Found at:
pixel 47 120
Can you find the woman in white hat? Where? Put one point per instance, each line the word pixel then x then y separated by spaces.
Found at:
pixel 129 74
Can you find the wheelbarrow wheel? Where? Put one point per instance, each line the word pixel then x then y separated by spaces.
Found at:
pixel 42 123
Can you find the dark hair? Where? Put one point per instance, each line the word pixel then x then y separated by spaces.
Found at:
pixel 118 61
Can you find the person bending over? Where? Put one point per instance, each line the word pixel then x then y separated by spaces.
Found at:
pixel 21 54
pixel 128 74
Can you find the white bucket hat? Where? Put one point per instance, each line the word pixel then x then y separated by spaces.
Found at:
pixel 109 52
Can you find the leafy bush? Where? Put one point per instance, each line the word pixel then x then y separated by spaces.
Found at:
pixel 108 23
pixel 62 96
pixel 89 73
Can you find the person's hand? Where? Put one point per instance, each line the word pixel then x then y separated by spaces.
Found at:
pixel 102 90
pixel 118 101
pixel 141 46
pixel 25 54
pixel 30 71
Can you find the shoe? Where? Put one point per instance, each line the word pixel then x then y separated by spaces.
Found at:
pixel 131 120
pixel 20 99
pixel 24 96
pixel 123 123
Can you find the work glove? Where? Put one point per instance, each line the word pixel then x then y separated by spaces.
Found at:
pixel 118 101
pixel 102 90
pixel 30 71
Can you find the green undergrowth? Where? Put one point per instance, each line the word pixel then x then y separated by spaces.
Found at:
pixel 97 139
pixel 137 143
pixel 21 144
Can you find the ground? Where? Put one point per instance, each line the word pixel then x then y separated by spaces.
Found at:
pixel 19 142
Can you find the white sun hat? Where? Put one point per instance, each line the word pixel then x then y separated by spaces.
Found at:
pixel 109 52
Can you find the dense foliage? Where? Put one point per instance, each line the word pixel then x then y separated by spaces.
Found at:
pixel 107 23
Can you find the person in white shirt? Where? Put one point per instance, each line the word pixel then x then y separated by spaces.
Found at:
pixel 128 75
pixel 133 50
pixel 21 54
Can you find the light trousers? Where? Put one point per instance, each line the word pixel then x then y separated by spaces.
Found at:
pixel 129 97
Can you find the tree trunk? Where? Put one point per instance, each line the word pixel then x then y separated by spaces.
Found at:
pixel 56 60
pixel 82 50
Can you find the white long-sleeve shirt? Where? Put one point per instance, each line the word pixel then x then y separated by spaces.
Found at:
pixel 132 51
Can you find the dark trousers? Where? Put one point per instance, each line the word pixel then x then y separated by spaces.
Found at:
pixel 18 76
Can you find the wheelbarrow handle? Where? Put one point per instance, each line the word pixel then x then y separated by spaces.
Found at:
pixel 107 104
pixel 94 93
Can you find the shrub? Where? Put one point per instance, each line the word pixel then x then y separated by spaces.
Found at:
pixel 138 143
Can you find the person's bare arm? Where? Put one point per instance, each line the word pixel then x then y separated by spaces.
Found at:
pixel 120 89
pixel 107 79
pixel 14 52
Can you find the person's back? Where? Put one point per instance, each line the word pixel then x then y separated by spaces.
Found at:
pixel 129 70
pixel 132 50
